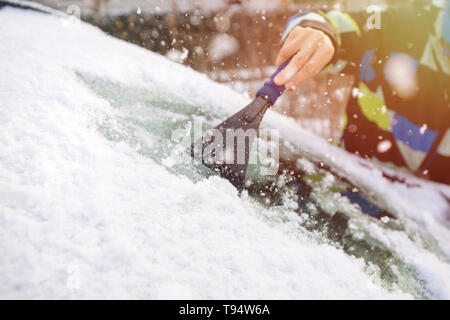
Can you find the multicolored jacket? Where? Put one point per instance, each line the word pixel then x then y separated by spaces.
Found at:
pixel 399 111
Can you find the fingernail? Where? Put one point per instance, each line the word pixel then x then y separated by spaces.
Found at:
pixel 278 79
pixel 290 86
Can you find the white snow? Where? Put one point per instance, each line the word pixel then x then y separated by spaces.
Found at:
pixel 177 55
pixel 86 217
pixel 222 46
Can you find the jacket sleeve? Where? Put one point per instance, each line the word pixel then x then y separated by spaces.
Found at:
pixel 379 29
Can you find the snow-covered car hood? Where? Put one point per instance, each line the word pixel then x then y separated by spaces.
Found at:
pixel 92 207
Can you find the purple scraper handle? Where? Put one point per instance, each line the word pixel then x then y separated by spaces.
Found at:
pixel 270 89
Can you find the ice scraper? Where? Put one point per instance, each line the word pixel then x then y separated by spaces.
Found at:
pixel 224 139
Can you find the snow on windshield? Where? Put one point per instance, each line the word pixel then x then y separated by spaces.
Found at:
pixel 92 207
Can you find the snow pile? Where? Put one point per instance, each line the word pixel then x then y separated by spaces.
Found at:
pixel 86 213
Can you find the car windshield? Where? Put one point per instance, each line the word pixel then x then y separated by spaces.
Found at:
pixel 91 131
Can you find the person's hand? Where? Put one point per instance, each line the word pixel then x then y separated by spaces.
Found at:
pixel 311 50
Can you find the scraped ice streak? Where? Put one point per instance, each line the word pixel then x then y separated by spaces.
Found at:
pixel 88 209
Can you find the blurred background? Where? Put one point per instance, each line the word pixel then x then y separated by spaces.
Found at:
pixel 233 42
